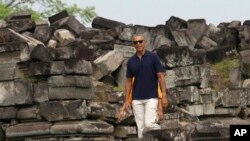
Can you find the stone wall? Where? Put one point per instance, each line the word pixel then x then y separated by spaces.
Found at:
pixel 62 81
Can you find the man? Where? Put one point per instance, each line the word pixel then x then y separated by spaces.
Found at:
pixel 144 73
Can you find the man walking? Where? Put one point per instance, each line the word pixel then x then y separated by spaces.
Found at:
pixel 144 74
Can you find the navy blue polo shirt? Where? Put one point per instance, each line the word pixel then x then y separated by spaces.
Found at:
pixel 145 72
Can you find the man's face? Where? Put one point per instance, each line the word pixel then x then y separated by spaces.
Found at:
pixel 139 43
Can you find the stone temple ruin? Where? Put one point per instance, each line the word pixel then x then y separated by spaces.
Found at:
pixel 62 81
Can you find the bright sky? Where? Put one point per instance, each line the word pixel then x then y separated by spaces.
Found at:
pixel 154 12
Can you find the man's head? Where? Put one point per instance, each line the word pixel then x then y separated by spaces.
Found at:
pixel 139 43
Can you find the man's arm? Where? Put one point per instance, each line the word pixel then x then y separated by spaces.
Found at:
pixel 162 83
pixel 128 89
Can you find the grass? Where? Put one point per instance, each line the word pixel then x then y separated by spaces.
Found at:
pixel 222 71
pixel 119 89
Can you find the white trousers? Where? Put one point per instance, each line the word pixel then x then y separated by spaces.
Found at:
pixel 145 112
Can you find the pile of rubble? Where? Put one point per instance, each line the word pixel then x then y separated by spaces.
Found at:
pixel 59 77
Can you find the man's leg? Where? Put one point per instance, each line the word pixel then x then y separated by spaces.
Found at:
pixel 139 113
pixel 151 113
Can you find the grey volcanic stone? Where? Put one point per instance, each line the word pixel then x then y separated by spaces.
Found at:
pixel 28 129
pixel 63 110
pixel 84 127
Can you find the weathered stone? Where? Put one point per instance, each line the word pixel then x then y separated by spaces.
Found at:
pixel 161 40
pixel 77 66
pixel 223 25
pixel 175 56
pixel 58 16
pixel 205 43
pixel 209 109
pixel 74 51
pixel 205 75
pixel 17 92
pixel 127 51
pixel 63 110
pixel 64 36
pixel 3 24
pixel 108 79
pixel 28 129
pixel 89 33
pixel 102 39
pixel 105 93
pixel 199 56
pixel 52 43
pixel 176 23
pixel 71 66
pixel 102 48
pixel 218 54
pixel 70 81
pixel 31 43
pixel 87 54
pixel 183 37
pixel 41 92
pixel 102 110
pixel 211 30
pixel 183 76
pixel 7 113
pixel 28 113
pixel 206 95
pixel 11 46
pixel 22 25
pixel 196 109
pixel 235 78
pixel 246 83
pixel 21 21
pixel 43 33
pixel 197 27
pixel 73 138
pixel 11 57
pixel 19 15
pixel 41 53
pixel 73 25
pixel 11 71
pixel 84 127
pixel 103 23
pixel 215 129
pixel 5 35
pixel 245 62
pixel 234 98
pixel 227 111
pixel 176 133
pixel 59 93
pixel 126 32
pixel 62 53
pixel 2 135
pixel 246 33
pixel 234 24
pixel 185 94
pixel 39 68
pixel 125 131
pixel 108 63
pixel 121 74
pixel 226 37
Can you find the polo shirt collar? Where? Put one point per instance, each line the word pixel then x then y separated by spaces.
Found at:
pixel 145 54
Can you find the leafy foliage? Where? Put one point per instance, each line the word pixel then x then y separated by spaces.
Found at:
pixel 42 9
pixel 4 11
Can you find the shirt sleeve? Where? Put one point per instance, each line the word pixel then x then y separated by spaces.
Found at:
pixel 158 65
pixel 129 71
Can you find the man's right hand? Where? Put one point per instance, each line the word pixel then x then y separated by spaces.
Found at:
pixel 125 109
pixel 126 106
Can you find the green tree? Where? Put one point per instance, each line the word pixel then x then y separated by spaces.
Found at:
pixel 42 9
